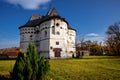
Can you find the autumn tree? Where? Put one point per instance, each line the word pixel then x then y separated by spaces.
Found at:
pixel 113 39
pixel 93 47
pixel 96 48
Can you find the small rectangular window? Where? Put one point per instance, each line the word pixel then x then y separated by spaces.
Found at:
pixel 57 43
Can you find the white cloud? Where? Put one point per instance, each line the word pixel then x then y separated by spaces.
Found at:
pixel 28 4
pixel 99 39
pixel 92 35
pixel 95 37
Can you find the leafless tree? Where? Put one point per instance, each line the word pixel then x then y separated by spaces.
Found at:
pixel 113 38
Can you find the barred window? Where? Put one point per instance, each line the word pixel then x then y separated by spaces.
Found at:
pixel 57 43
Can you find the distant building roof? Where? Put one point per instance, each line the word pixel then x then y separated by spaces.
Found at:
pixel 12 54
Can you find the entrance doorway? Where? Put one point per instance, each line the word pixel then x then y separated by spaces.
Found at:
pixel 57 52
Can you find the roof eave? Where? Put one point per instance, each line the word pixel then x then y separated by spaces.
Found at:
pixel 24 26
pixel 72 29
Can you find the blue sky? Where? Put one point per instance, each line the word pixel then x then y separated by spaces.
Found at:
pixel 90 18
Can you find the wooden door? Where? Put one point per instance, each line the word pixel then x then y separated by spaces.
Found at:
pixel 57 53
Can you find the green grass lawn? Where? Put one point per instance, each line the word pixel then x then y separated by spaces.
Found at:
pixel 6 66
pixel 86 68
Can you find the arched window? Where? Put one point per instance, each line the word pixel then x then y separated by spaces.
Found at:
pixel 45 33
pixel 53 29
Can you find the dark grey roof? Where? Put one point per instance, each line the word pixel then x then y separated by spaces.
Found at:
pixel 34 17
pixel 37 19
pixel 69 27
pixel 32 23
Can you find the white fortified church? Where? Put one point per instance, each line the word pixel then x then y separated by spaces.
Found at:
pixel 51 34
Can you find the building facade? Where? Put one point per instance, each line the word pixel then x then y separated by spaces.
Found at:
pixel 51 34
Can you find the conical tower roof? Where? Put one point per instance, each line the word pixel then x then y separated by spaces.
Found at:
pixel 53 12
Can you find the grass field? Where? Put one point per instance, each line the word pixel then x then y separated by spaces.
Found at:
pixel 86 68
pixel 6 66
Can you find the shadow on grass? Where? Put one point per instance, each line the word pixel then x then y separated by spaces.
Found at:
pixel 6 77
